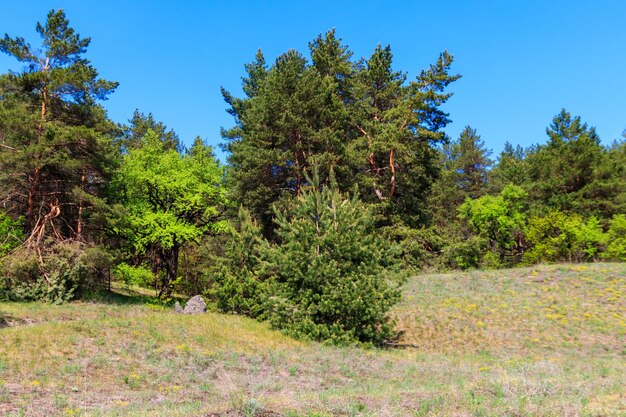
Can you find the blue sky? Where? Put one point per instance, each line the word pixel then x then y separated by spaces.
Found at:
pixel 521 61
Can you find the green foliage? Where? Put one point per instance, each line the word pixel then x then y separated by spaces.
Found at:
pixel 499 219
pixel 237 287
pixel 465 254
pixel 331 274
pixel 491 260
pixel 563 237
pixel 560 170
pixel 360 120
pixel 134 275
pixel 66 272
pixel 170 200
pixel 616 249
pixel 420 248
pixel 11 234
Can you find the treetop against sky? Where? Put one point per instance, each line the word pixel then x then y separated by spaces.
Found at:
pixel 521 61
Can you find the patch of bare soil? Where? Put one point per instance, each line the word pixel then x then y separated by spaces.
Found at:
pixel 235 413
pixel 8 321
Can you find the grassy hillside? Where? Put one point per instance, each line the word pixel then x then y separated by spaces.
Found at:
pixel 549 341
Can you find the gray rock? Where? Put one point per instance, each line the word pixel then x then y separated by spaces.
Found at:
pixel 195 305
pixel 178 308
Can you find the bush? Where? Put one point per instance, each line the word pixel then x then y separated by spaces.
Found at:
pixel 237 281
pixel 134 275
pixel 562 237
pixel 330 277
pixel 331 273
pixel 419 248
pixel 465 254
pixel 64 272
pixel 616 249
pixel 500 220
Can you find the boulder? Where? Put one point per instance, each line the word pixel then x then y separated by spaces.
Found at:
pixel 195 305
pixel 178 308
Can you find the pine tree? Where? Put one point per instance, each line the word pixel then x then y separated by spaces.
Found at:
pixel 139 126
pixel 293 116
pixel 562 168
pixel 510 168
pixel 605 196
pixel 57 150
pixel 464 166
pixel 331 271
pixel 359 120
pixel 472 163
pixel 398 124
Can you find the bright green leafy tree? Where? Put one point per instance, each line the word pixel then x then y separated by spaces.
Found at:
pixel 562 237
pixel 500 219
pixel 170 200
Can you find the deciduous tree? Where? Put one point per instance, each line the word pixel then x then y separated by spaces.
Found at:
pixel 171 200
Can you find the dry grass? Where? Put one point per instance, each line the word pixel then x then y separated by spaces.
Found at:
pixel 546 341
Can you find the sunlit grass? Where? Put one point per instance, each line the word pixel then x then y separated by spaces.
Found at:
pixel 548 340
pixel 546 307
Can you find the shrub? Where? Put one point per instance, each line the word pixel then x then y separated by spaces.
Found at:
pixel 419 248
pixel 330 277
pixel 491 260
pixel 500 220
pixel 64 272
pixel 562 237
pixel 134 275
pixel 237 281
pixel 465 254
pixel 616 249
pixel 331 273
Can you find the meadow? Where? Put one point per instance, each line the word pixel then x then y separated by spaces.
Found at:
pixel 538 341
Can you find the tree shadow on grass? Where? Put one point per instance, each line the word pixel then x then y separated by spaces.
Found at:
pixel 127 296
pixel 116 298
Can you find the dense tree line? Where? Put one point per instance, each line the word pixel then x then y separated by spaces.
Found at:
pixel 339 181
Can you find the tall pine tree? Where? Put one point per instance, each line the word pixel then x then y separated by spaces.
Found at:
pixel 465 167
pixel 56 148
pixel 360 120
pixel 510 168
pixel 560 170
pixel 293 117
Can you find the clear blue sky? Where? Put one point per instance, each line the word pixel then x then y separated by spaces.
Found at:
pixel 521 61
